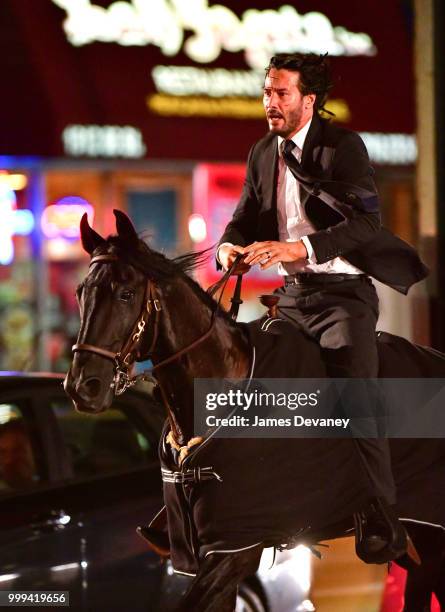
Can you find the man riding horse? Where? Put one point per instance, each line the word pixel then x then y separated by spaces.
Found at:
pixel 310 205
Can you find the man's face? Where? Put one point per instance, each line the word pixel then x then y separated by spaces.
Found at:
pixel 287 110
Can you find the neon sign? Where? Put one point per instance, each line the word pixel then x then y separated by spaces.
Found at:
pixel 62 219
pixel 13 222
pixel 163 23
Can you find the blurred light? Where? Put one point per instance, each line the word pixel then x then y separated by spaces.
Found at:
pixel 16 182
pixel 197 228
pixel 24 222
pixel 8 577
pixel 65 519
pixel 296 562
pixel 58 248
pixel 61 220
pixel 64 567
pixel 6 413
pixel 301 560
pixel 12 222
pixel 306 606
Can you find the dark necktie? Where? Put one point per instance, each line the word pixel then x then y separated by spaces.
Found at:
pixel 291 161
pixel 288 146
pixel 363 198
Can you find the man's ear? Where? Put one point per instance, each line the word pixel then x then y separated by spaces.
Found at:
pixel 310 100
pixel 90 239
pixel 125 228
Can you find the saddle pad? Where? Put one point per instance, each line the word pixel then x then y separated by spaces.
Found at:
pixel 269 490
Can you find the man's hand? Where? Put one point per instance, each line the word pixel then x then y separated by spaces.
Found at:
pixel 227 255
pixel 271 252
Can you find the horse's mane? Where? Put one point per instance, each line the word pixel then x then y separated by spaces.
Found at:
pixel 162 269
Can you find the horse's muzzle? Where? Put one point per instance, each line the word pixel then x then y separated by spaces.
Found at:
pixel 88 394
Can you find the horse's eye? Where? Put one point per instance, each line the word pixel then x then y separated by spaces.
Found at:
pixel 126 295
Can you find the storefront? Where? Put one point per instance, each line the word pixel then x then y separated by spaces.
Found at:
pixel 151 107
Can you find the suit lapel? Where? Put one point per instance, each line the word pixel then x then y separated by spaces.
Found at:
pixel 313 138
pixel 269 170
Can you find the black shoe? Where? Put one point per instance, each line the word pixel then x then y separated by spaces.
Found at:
pixel 156 538
pixel 379 535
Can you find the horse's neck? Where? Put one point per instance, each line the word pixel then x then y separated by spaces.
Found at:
pixel 185 317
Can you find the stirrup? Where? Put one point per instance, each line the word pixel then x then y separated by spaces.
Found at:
pixel 374 544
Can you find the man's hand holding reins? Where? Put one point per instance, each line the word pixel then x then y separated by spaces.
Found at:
pixel 227 254
pixel 272 252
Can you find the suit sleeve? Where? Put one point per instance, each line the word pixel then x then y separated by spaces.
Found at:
pixel 351 165
pixel 242 227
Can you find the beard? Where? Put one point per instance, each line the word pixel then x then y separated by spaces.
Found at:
pixel 288 124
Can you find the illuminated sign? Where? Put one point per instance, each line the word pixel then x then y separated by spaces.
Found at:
pixel 62 219
pixel 186 91
pixel 103 141
pixel 216 191
pixel 397 149
pixel 13 222
pixel 163 23
pixel 213 82
pixel 232 107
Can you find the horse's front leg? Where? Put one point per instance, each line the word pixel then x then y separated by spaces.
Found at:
pixel 219 575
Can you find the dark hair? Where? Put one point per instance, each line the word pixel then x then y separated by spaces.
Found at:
pixel 315 74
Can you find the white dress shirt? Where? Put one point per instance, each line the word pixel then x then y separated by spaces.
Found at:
pixel 293 224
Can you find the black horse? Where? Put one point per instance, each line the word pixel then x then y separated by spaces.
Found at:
pixel 228 499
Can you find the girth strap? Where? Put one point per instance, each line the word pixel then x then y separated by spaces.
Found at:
pixel 191 476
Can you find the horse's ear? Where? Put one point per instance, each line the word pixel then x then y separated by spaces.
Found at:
pixel 125 228
pixel 90 239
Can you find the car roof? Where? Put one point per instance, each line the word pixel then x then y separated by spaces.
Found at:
pixel 10 379
pixel 15 379
pixel 31 375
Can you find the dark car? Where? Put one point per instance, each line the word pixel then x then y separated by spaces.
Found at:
pixel 73 488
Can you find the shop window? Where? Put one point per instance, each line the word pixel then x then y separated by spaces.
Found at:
pixel 154 213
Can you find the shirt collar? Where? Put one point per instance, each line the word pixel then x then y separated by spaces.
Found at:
pixel 298 138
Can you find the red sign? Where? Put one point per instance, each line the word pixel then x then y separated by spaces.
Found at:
pixel 216 191
pixel 182 80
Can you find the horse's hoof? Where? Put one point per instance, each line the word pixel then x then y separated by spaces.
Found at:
pixel 156 539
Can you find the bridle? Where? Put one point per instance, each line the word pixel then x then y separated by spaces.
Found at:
pixel 130 352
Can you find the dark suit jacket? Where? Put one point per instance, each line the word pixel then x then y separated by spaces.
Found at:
pixel 335 159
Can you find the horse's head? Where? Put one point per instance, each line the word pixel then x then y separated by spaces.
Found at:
pixel 121 322
pixel 116 302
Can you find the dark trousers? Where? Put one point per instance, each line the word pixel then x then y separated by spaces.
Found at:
pixel 342 317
